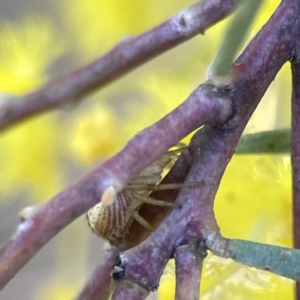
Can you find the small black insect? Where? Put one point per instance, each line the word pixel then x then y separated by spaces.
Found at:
pixel 118 269
pixel 203 248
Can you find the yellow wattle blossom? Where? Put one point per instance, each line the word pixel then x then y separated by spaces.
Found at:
pixel 59 290
pixel 28 162
pixel 266 11
pixel 96 135
pixel 27 48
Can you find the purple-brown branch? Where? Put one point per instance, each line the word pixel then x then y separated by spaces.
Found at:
pixel 123 58
pixel 213 147
pixel 189 262
pixel 205 105
pixel 126 289
pixel 99 285
pixel 295 153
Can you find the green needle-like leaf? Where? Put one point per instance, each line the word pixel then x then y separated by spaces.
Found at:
pixel 273 142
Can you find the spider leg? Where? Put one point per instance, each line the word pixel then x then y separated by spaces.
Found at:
pixel 140 219
pixel 149 200
pixel 139 199
pixel 163 186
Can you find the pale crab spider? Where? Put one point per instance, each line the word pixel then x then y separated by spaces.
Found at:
pixel 112 222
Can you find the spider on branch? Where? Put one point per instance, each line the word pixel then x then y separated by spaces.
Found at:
pixel 113 222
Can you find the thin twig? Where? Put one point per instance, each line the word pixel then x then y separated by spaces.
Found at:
pixel 278 260
pixel 99 284
pixel 271 142
pixel 123 58
pixel 189 262
pixel 233 39
pixel 126 289
pixel 295 156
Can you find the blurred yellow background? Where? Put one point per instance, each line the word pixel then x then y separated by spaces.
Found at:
pixel 44 40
